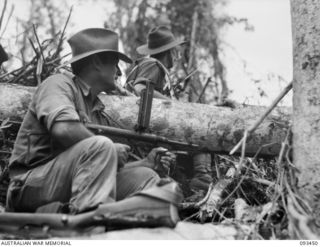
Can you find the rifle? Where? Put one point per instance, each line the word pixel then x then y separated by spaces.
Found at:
pixel 145 137
pixel 153 207
pixel 63 225
pixel 184 79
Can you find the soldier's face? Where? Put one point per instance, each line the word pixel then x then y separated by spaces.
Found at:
pixel 108 71
pixel 175 54
pixel 173 57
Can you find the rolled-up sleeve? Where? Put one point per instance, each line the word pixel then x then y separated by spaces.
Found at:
pixel 55 101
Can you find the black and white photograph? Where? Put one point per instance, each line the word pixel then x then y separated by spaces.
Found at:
pixel 159 120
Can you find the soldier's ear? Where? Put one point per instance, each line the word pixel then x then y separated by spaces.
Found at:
pixel 96 62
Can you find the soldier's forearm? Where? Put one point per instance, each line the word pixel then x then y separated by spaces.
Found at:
pixel 69 133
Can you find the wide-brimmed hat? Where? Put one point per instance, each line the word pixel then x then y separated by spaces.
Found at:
pixel 159 39
pixel 92 41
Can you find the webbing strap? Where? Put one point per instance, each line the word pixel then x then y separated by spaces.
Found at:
pixel 164 69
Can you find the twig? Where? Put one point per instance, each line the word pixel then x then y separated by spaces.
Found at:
pixel 11 121
pixel 217 168
pixel 193 38
pixel 244 194
pixel 215 197
pixel 266 209
pixel 284 145
pixel 254 166
pixel 38 41
pixel 294 200
pixel 279 183
pixel 8 19
pixel 57 59
pixel 62 34
pixel 204 89
pixel 301 220
pixel 235 189
pixel 3 11
pixel 219 213
pixel 185 79
pixel 261 181
pixel 192 45
pixel 302 205
pixel 8 73
pixel 194 89
pixel 243 152
pixel 191 216
pixel 33 47
pixel 24 72
pixel 197 205
pixel 39 70
pixel 259 121
pixel 262 147
pixel 203 201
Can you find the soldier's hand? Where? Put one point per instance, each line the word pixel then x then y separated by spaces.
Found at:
pixel 160 159
pixel 123 153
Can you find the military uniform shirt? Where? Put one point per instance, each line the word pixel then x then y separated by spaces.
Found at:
pixel 60 97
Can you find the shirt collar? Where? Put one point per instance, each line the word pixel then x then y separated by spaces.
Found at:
pixel 98 105
pixel 85 88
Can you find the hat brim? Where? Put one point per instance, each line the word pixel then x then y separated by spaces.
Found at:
pixel 121 56
pixel 145 50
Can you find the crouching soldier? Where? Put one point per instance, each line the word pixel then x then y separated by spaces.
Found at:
pixel 56 159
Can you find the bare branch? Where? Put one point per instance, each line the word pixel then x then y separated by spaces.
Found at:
pixel 38 41
pixel 3 12
pixel 204 89
pixel 7 22
pixel 267 112
pixel 62 34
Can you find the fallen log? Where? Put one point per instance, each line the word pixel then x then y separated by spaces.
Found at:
pixel 216 128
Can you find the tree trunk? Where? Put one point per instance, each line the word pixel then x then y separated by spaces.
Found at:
pixel 306 97
pixel 217 128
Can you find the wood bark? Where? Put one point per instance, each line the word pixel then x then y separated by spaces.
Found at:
pixel 306 97
pixel 216 128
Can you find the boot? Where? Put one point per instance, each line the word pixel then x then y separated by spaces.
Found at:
pixel 202 176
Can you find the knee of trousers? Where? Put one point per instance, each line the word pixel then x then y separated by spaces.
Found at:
pixel 145 173
pixel 98 145
pixel 99 142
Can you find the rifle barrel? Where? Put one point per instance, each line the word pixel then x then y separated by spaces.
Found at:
pixel 151 138
pixel 107 130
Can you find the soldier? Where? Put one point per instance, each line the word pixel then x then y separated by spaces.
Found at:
pixel 161 54
pixel 56 159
